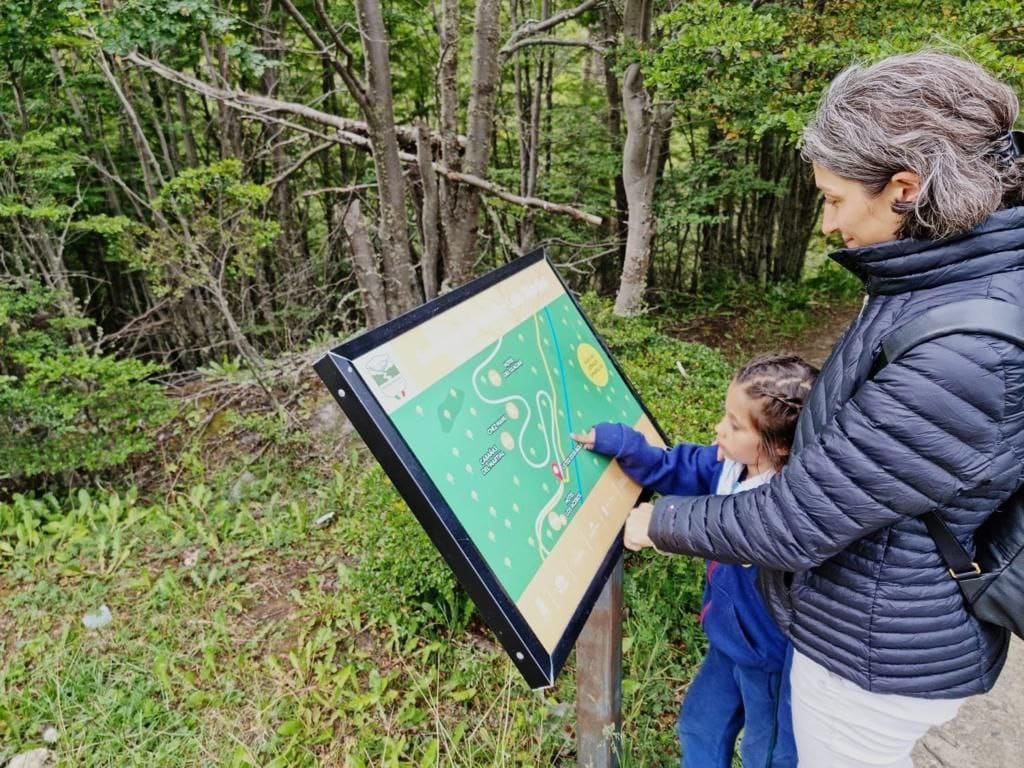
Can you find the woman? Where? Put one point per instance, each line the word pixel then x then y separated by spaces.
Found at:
pixel 923 180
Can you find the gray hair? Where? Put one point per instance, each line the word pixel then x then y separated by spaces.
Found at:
pixel 929 112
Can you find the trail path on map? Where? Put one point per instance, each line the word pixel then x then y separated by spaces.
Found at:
pixel 495 436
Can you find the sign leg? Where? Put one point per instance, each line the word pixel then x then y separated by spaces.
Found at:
pixel 599 679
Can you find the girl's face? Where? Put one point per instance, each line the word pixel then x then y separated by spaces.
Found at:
pixel 860 218
pixel 736 435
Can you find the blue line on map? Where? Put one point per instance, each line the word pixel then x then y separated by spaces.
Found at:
pixel 565 394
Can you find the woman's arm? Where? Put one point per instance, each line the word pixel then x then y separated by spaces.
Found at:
pixel 944 419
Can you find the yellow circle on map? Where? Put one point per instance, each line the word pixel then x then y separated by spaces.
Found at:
pixel 494 377
pixel 507 441
pixel 592 364
pixel 511 410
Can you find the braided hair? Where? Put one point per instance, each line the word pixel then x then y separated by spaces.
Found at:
pixel 778 385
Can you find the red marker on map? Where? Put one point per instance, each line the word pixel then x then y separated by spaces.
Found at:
pixel 556 470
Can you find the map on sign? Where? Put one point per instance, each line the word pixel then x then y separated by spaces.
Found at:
pixel 509 469
pixel 471 412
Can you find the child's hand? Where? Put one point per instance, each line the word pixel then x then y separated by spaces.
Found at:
pixel 587 440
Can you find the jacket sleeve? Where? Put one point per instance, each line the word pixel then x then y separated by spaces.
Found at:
pixel 686 469
pixel 942 420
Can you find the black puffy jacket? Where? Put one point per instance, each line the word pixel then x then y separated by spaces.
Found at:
pixel 941 428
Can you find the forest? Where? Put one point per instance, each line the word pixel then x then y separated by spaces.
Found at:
pixel 198 197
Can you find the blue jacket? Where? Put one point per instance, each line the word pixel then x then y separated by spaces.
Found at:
pixel 734 616
pixel 942 428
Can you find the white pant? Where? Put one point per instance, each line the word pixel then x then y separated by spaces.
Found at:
pixel 837 724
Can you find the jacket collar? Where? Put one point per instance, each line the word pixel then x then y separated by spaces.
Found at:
pixel 995 245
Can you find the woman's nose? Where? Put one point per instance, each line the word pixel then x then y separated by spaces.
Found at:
pixel 828 221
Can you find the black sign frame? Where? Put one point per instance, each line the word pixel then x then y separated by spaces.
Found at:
pixel 539 667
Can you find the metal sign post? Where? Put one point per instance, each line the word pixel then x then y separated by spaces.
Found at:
pixel 599 679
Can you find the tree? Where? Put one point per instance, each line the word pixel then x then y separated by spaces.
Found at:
pixel 399 158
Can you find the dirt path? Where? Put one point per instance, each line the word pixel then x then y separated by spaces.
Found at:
pixel 815 343
pixel 989 730
pixel 987 733
pixel 739 338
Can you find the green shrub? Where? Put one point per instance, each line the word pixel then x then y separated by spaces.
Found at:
pixel 682 384
pixel 835 282
pixel 64 408
pixel 403 569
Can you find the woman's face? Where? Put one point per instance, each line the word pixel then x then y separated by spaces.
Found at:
pixel 857 216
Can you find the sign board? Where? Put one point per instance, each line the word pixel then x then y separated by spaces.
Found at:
pixel 468 403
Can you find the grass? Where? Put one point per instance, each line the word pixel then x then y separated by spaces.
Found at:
pixel 244 634
pixel 242 637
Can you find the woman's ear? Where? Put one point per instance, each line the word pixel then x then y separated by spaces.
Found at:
pixel 905 186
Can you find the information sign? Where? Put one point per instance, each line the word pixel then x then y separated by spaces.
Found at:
pixel 468 403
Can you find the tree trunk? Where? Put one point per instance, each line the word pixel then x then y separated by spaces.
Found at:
pixel 610 269
pixel 151 175
pixel 462 225
pixel 191 153
pixel 529 97
pixel 368 276
pixel 288 261
pixel 77 108
pixel 393 234
pixel 429 218
pixel 646 125
pixel 448 96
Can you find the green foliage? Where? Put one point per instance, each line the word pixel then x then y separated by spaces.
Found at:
pixel 26 27
pixel 403 575
pixel 833 282
pixel 154 23
pixel 62 407
pixel 745 79
pixel 219 232
pixel 84 530
pixel 753 68
pixel 683 384
pixel 42 173
pixel 258 627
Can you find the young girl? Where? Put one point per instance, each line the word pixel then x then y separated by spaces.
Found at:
pixel 741 684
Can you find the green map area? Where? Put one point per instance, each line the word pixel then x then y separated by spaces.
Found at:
pixel 494 435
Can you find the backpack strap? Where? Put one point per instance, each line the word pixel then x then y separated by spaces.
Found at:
pixel 990 317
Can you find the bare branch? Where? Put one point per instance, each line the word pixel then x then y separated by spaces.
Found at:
pixel 510 48
pixel 530 28
pixel 262 107
pixel 129 328
pixel 299 163
pixel 511 250
pixel 242 99
pixel 529 202
pixel 337 190
pixel 137 200
pixel 347 72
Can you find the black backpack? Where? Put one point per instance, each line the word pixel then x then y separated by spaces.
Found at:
pixel 992 585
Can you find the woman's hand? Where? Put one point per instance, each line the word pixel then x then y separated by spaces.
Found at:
pixel 637 523
pixel 587 440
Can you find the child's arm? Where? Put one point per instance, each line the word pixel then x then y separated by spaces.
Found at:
pixel 685 470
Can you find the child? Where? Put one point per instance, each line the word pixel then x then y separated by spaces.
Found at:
pixel 741 683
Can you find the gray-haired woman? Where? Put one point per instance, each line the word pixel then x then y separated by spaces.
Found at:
pixel 922 177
